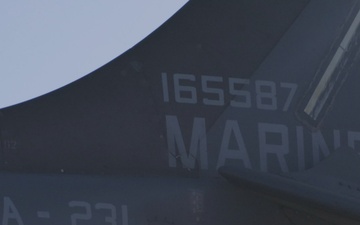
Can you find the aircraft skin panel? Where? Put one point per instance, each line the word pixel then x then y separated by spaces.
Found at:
pixel 120 106
pixel 279 90
pixel 325 190
pixel 266 85
pixel 76 199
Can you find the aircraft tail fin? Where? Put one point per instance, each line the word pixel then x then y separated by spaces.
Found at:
pixel 117 118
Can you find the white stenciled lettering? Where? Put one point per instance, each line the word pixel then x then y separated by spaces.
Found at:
pixel 198 143
pixel 319 146
pixel 352 138
pixel 183 93
pixel 219 100
pixel 165 87
pixel 125 217
pixel 112 211
pixel 268 146
pixel 10 213
pixel 232 127
pixel 266 95
pixel 242 97
pixel 213 90
pixel 300 147
pixel 86 212
pixel 86 215
pixel 291 95
pixel 279 148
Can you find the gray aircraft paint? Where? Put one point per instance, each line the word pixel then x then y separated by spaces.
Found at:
pixel 140 140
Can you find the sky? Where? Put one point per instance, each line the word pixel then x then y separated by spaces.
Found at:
pixel 45 45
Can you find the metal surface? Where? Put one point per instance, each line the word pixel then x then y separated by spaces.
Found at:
pixel 255 84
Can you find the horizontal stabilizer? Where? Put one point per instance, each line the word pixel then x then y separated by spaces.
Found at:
pixel 339 173
pixel 324 188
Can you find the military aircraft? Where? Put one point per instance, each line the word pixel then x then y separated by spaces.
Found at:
pixel 231 112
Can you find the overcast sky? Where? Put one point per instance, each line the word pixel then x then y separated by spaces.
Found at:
pixel 45 45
